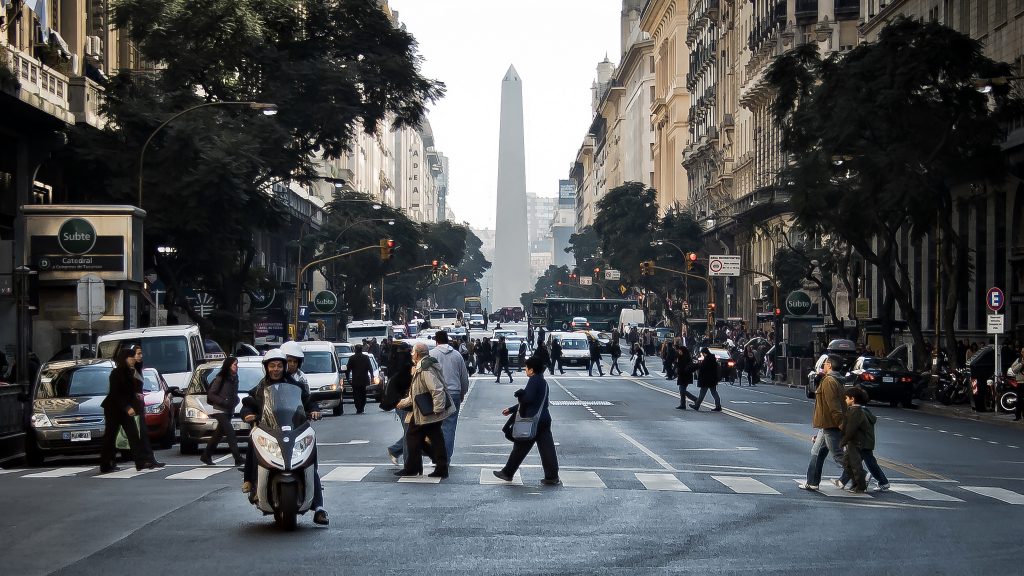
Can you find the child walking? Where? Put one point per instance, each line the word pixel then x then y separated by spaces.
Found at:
pixel 859 441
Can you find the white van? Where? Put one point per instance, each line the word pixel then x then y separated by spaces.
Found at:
pixel 629 317
pixel 173 350
pixel 360 330
pixel 575 348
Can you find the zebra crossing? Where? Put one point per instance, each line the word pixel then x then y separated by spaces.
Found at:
pixel 775 485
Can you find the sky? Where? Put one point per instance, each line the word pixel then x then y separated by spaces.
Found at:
pixel 555 46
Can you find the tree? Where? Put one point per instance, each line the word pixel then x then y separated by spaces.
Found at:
pixel 625 223
pixel 553 282
pixel 879 138
pixel 331 66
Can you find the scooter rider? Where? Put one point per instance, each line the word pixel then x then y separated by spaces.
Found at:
pixel 293 352
pixel 275 366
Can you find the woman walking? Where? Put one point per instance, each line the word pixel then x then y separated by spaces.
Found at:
pixel 615 350
pixel 639 365
pixel 533 400
pixel 140 392
pixel 427 382
pixel 684 375
pixel 396 388
pixel 120 408
pixel 223 395
pixel 707 378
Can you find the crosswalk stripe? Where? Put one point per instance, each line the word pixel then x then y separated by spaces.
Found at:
pixel 829 490
pixel 424 479
pixel 198 473
pixel 129 472
pixel 745 485
pixel 921 493
pixel 347 474
pixel 580 479
pixel 1002 494
pixel 487 477
pixel 59 472
pixel 11 470
pixel 666 482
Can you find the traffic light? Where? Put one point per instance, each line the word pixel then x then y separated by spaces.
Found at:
pixel 650 267
pixel 711 306
pixel 434 264
pixel 778 312
pixel 572 276
pixel 643 268
pixel 686 308
pixel 465 281
pixel 386 246
pixel 691 259
pixel 597 271
pixel 559 283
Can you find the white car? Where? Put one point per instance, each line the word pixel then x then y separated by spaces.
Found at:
pixel 507 333
pixel 320 365
pixel 477 322
pixel 575 348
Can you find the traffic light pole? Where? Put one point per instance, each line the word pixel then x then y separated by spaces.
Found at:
pixel 302 270
pixel 711 291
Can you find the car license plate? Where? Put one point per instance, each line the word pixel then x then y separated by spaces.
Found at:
pixel 887 379
pixel 239 425
pixel 81 436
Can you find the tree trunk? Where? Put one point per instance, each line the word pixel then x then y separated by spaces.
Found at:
pixel 954 261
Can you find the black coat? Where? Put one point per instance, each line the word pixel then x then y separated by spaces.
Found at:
pixel 707 375
pixel 396 387
pixel 223 393
pixel 684 361
pixel 359 371
pixel 121 395
pixel 595 350
pixel 542 353
pixel 530 398
pixel 501 356
pixel 556 350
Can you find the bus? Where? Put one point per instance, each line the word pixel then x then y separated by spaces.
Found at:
pixel 538 314
pixel 442 318
pixel 360 330
pixel 472 306
pixel 603 314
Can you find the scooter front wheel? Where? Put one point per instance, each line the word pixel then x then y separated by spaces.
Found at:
pixel 287 511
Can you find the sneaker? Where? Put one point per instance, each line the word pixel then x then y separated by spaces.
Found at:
pixel 881 488
pixel 716 409
pixel 810 487
pixel 694 406
pixel 853 490
pixel 394 459
pixel 320 517
pixel 838 484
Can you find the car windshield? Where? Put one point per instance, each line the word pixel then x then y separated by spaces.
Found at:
pixel 249 375
pixel 343 348
pixel 890 364
pixel 574 344
pixel 150 382
pixel 316 362
pixel 343 359
pixel 91 381
pixel 168 354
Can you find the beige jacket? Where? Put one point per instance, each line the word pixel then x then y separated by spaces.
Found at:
pixel 829 407
pixel 427 377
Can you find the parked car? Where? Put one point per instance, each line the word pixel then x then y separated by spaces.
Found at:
pixel 66 414
pixel 320 365
pixel 884 379
pixel 726 363
pixel 846 350
pixel 194 422
pixel 376 386
pixel 176 351
pixel 160 416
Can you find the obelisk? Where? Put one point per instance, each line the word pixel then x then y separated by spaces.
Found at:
pixel 511 247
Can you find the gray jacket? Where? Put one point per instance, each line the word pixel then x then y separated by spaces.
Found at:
pixel 453 368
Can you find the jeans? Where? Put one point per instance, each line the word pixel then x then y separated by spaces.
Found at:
pixel 590 367
pixel 398 448
pixel 714 394
pixel 448 425
pixel 498 368
pixel 552 365
pixel 684 393
pixel 826 441
pixel 868 457
pixel 615 366
pixel 641 366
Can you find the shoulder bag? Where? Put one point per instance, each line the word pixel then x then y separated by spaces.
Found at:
pixel 213 397
pixel 524 428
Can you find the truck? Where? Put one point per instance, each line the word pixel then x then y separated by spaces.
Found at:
pixel 359 330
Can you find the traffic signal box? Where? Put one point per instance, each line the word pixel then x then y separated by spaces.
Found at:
pixel 647 268
pixel 386 246
pixel 691 259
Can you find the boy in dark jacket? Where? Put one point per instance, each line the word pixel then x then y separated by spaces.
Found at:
pixel 858 436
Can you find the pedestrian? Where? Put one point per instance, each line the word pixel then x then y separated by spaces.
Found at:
pixel 487 348
pixel 637 357
pixel 684 375
pixel 529 336
pixel 1016 372
pixel 615 351
pixel 707 379
pixel 556 356
pixel 540 336
pixel 501 360
pixel 829 410
pixel 533 400
pixel 542 353
pixel 521 356
pixel 670 361
pixel 859 440
pixel 223 396
pixel 121 407
pixel 595 357
pixel 427 383
pixel 456 382
pixel 395 388
pixel 359 372
pixel 751 366
pixel 140 391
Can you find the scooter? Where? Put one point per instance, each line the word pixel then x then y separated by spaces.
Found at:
pixel 285 447
pixel 956 389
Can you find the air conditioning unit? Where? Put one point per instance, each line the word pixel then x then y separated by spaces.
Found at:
pixel 94 46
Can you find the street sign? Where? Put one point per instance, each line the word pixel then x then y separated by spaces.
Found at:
pixel 994 300
pixel 612 275
pixel 325 301
pixel 863 308
pixel 798 303
pixel 723 265
pixel 586 281
pixel 995 324
pixel 91 301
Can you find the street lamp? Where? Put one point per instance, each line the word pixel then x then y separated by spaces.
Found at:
pixel 268 109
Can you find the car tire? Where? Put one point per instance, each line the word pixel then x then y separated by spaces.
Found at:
pixel 187 448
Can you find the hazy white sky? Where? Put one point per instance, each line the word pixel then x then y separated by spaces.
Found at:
pixel 555 46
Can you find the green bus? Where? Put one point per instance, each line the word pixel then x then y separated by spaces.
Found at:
pixel 557 313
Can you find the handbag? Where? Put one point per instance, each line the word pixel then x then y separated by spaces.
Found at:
pixel 524 428
pixel 213 396
pixel 425 402
pixel 121 443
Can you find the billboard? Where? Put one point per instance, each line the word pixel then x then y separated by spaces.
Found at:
pixel 567 192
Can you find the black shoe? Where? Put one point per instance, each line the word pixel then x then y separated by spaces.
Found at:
pixel 502 476
pixel 359 411
pixel 694 406
pixel 205 459
pixel 716 409
pixel 404 472
pixel 438 474
pixel 681 407
pixel 1016 419
pixel 551 482
pixel 498 381
pixel 109 469
pixel 240 463
pixel 321 517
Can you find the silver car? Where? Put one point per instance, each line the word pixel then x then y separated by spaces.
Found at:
pixel 196 425
pixel 66 414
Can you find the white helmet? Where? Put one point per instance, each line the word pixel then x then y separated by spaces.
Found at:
pixel 274 354
pixel 292 348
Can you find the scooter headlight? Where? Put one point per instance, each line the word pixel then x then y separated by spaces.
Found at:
pixel 266 444
pixel 303 446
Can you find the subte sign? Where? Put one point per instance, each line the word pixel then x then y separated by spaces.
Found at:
pixel 994 299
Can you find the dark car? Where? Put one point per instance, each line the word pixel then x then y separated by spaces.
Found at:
pixel 884 379
pixel 66 414
pixel 726 363
pixel 844 349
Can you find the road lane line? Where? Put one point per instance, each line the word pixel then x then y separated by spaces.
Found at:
pixel 1001 494
pixel 60 472
pixel 921 493
pixel 580 479
pixel 662 482
pixel 198 473
pixel 745 485
pixel 347 474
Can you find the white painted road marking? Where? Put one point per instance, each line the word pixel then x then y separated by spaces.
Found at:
pixel 198 473
pixel 59 472
pixel 745 485
pixel 666 482
pixel 128 473
pixel 580 479
pixel 347 474
pixel 921 493
pixel 349 443
pixel 1001 494
pixel 829 490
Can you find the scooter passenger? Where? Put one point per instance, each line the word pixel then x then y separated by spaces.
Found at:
pixel 274 365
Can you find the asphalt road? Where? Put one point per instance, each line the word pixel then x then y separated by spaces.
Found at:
pixel 648 489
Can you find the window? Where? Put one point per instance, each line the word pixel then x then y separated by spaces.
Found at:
pixel 965 16
pixel 650 61
pixel 1000 13
pixel 982 17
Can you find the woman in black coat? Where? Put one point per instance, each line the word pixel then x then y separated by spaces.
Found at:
pixel 397 387
pixel 684 375
pixel 120 408
pixel 707 378
pixel 223 395
pixel 532 401
pixel 542 353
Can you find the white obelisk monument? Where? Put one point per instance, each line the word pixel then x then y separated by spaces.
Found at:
pixel 511 247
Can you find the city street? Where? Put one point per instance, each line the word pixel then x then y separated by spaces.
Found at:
pixel 645 487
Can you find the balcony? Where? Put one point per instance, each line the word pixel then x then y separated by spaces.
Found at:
pixel 41 86
pixel 84 97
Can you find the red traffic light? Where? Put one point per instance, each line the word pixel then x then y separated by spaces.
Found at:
pixel 559 282
pixel 778 311
pixel 692 256
pixel 597 270
pixel 391 243
pixel 434 263
pixel 711 305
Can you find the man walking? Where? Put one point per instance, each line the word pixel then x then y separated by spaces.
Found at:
pixel 359 372
pixel 556 356
pixel 829 411
pixel 595 358
pixel 456 381
pixel 540 336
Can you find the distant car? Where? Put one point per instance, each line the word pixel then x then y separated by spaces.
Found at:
pixel 376 384
pixel 160 419
pixel 846 350
pixel 726 363
pixel 512 343
pixel 66 414
pixel 194 422
pixel 477 322
pixel 575 348
pixel 458 332
pixel 884 379
pixel 320 365
pixel 399 331
pixel 244 349
pixel 579 322
pixel 343 348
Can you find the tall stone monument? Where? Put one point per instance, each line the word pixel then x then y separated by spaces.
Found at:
pixel 511 247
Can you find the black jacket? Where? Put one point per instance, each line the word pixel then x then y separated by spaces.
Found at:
pixel 253 403
pixel 556 350
pixel 396 387
pixel 502 355
pixel 359 371
pixel 121 394
pixel 530 398
pixel 707 376
pixel 542 353
pixel 595 350
pixel 683 360
pixel 223 393
pixel 616 350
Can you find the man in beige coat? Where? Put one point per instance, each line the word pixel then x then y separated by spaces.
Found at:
pixel 427 382
pixel 829 411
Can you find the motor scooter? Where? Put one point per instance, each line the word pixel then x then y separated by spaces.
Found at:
pixel 285 448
